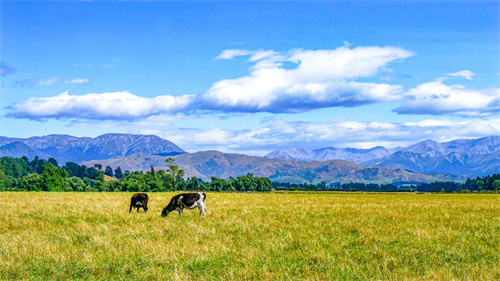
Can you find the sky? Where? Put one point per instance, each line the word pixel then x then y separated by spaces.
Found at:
pixel 252 76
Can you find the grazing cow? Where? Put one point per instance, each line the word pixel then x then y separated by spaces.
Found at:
pixel 139 200
pixel 186 200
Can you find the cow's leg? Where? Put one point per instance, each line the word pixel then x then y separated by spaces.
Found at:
pixel 138 209
pixel 180 212
pixel 130 208
pixel 201 206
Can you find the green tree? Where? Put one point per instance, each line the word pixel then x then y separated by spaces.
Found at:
pixel 175 172
pixel 31 182
pixel 118 173
pixel 53 162
pixel 496 185
pixel 76 184
pixel 108 171
pixel 53 178
pixel 38 165
pixel 479 184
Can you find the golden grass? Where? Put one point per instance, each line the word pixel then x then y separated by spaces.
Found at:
pixel 259 236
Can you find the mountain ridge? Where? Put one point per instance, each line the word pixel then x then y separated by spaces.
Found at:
pixel 66 148
pixel 205 164
pixel 465 157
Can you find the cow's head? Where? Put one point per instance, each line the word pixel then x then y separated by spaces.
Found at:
pixel 165 211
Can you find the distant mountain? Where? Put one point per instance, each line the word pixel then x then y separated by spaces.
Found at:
pixel 206 164
pixel 19 149
pixel 470 158
pixel 330 153
pixel 65 148
pixel 469 165
pixel 465 157
pixel 431 148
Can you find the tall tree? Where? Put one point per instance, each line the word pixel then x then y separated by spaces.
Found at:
pixel 53 178
pixel 118 173
pixel 174 170
pixel 98 166
pixel 108 171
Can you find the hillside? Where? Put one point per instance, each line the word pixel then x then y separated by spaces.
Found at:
pixel 65 148
pixel 206 164
pixel 465 157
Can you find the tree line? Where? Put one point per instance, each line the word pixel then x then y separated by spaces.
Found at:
pixel 20 174
pixel 479 184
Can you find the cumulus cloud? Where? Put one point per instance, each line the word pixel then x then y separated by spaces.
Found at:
pixel 319 78
pixel 292 82
pixel 114 106
pixel 437 98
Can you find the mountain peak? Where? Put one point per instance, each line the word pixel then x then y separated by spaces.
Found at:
pixel 65 148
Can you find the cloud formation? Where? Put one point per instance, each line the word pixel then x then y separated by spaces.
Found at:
pixel 319 79
pixel 79 81
pixel 49 81
pixel 467 74
pixel 113 106
pixel 339 133
pixel 292 82
pixel 436 98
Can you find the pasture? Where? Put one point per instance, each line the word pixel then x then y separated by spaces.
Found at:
pixel 257 236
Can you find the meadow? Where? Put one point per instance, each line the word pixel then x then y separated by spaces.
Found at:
pixel 251 236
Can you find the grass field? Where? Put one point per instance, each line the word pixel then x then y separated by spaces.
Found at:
pixel 259 236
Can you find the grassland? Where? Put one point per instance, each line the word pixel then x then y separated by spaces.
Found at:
pixel 271 236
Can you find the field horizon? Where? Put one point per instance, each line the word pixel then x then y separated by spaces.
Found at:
pixel 263 236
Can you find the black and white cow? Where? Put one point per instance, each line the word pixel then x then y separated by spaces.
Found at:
pixel 185 200
pixel 139 200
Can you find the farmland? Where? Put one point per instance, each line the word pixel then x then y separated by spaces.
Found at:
pixel 263 236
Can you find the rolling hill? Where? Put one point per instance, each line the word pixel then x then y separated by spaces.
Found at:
pixel 206 164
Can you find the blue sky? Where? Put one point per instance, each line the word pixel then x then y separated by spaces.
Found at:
pixel 252 76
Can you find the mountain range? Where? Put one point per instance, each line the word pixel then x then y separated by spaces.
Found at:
pixel 424 161
pixel 65 148
pixel 465 157
pixel 206 164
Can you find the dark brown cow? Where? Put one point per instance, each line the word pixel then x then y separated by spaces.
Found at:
pixel 139 200
pixel 186 200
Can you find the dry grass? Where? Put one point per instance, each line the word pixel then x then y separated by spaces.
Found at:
pixel 272 236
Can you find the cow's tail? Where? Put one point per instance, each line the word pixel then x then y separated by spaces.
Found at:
pixel 204 197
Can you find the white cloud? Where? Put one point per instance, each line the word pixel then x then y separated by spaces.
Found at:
pixel 47 81
pixel 232 53
pixel 356 134
pixel 467 74
pixel 321 78
pixel 79 81
pixel 114 106
pixel 436 98
pixel 317 79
